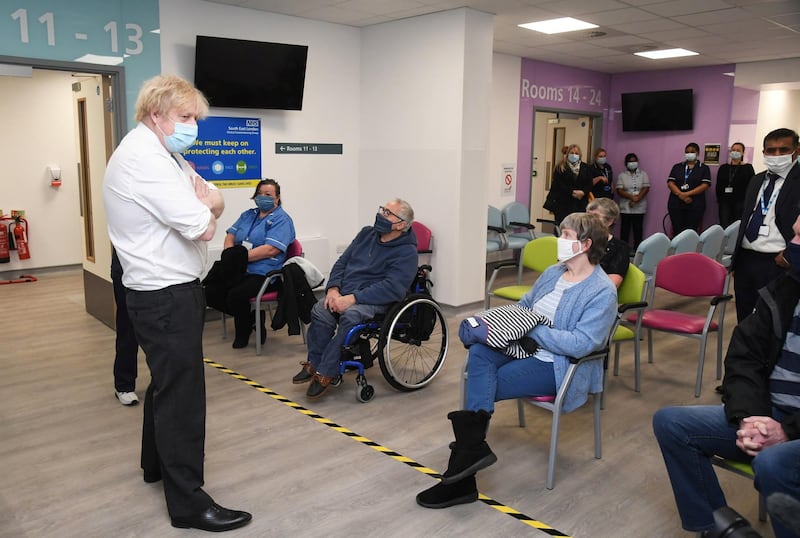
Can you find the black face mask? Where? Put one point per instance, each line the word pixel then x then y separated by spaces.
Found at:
pixel 382 224
pixel 793 257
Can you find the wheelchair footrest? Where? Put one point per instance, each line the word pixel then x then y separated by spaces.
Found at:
pixel 349 365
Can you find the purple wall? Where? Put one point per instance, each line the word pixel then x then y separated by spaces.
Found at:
pixel 657 151
pixel 554 87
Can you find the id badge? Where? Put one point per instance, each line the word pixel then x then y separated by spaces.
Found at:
pixel 728 190
pixel 763 230
pixel 247 244
pixel 685 187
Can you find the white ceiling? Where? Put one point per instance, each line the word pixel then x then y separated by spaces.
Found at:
pixel 721 31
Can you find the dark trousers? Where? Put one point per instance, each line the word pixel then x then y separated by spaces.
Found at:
pixel 685 218
pixel 628 222
pixel 169 327
pixel 729 212
pixel 754 270
pixel 127 348
pixel 235 300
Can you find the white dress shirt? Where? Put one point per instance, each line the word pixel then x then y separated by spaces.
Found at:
pixel 154 216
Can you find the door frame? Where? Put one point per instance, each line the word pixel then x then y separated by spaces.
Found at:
pixel 97 290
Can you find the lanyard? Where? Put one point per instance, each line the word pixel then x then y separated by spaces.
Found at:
pixel 686 173
pixel 772 198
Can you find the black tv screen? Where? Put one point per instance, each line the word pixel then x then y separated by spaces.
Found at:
pixel 250 74
pixel 671 110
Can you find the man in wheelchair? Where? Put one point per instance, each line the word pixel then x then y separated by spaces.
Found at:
pixel 374 271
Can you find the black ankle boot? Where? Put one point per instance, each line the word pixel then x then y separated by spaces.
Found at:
pixel 443 495
pixel 241 334
pixel 470 453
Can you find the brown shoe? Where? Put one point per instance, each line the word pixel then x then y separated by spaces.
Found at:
pixel 319 386
pixel 304 375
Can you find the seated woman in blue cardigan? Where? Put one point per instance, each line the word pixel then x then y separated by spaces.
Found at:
pixel 580 299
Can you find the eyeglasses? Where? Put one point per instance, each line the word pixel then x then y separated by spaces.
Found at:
pixel 389 213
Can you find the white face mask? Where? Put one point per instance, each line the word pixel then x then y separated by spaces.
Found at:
pixel 736 155
pixel 691 157
pixel 565 251
pixel 779 164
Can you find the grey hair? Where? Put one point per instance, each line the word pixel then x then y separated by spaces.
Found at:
pixel 588 226
pixel 607 207
pixel 406 212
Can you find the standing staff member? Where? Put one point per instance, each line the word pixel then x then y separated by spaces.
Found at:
pixel 732 180
pixel 688 182
pixel 160 216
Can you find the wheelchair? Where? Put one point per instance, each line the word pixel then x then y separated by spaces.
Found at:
pixel 409 340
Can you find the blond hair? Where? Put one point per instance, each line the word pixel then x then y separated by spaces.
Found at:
pixel 162 93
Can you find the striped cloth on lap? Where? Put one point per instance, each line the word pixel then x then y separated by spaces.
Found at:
pixel 504 328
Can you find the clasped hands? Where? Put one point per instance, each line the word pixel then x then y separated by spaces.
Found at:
pixel 757 433
pixel 336 302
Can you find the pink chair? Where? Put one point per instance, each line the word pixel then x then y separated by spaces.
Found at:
pixel 268 298
pixel 424 237
pixel 690 274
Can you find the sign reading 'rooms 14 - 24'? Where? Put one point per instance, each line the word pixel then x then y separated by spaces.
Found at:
pixel 573 94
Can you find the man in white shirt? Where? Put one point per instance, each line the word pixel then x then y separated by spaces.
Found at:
pixel 770 209
pixel 160 216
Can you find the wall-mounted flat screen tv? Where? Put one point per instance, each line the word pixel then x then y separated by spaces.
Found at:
pixel 670 110
pixel 238 73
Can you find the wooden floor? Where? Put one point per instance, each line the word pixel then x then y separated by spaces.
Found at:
pixel 69 451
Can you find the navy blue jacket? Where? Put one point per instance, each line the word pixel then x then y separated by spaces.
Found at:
pixel 376 273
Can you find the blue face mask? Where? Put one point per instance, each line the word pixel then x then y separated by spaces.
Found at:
pixel 264 203
pixel 182 139
pixel 573 158
pixel 601 160
pixel 382 224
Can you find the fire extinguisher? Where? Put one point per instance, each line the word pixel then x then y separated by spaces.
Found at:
pixel 21 237
pixel 5 254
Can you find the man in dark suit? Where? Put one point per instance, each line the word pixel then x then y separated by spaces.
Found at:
pixel 771 206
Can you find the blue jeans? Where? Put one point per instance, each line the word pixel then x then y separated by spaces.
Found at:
pixel 493 376
pixel 688 437
pixel 327 332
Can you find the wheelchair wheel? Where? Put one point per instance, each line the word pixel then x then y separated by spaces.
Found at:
pixel 413 343
pixel 364 391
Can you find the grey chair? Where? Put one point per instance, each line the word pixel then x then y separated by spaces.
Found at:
pixel 518 230
pixel 686 241
pixel 712 241
pixel 731 234
pixel 495 233
pixel 651 251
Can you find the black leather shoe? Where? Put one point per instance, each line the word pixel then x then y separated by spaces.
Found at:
pixel 215 518
pixel 240 343
pixel 319 386
pixel 152 476
pixel 304 375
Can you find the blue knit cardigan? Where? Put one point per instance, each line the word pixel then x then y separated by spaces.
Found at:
pixel 580 326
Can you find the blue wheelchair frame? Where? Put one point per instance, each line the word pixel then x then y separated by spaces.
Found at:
pixel 427 341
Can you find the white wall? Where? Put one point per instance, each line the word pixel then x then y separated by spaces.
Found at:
pixel 776 109
pixel 506 73
pixel 38 131
pixel 425 135
pixel 320 192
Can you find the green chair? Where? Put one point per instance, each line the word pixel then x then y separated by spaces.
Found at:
pixel 745 470
pixel 630 296
pixel 538 255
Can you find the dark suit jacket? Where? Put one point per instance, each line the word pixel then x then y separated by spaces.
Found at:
pixel 787 206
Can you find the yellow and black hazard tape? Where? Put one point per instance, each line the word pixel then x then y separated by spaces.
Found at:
pixel 382 449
